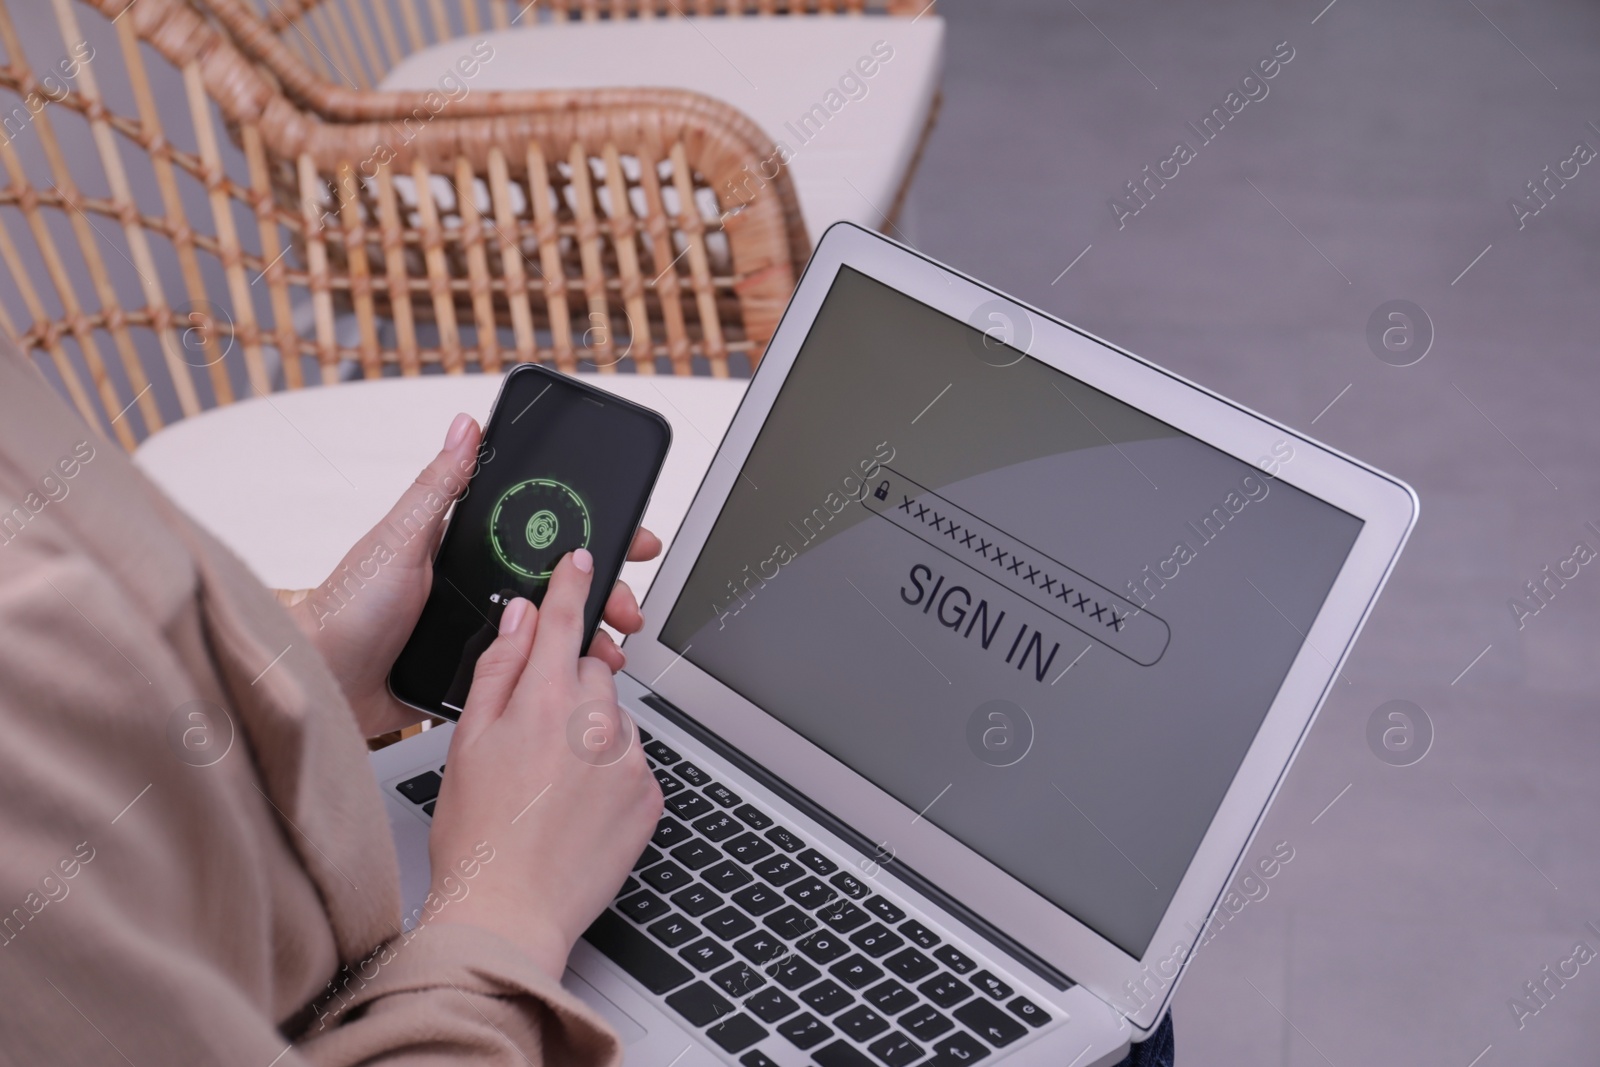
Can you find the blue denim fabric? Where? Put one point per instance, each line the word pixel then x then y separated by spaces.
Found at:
pixel 1156 1051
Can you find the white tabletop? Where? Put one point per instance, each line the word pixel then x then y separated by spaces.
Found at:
pixel 291 481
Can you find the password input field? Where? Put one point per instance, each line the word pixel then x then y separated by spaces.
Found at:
pixel 1018 567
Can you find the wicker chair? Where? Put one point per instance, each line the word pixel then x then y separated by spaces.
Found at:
pixel 280 232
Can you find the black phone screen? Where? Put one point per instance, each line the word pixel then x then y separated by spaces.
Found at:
pixel 562 466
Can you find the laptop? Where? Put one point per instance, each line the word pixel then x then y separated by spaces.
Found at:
pixel 968 677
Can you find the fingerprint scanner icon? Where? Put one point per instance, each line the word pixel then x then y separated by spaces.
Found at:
pixel 542 529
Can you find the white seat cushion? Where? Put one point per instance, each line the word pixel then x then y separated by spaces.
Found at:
pixel 852 136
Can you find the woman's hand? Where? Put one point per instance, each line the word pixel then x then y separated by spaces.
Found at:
pixel 564 828
pixel 361 617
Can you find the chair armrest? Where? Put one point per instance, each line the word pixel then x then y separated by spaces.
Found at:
pixel 349 143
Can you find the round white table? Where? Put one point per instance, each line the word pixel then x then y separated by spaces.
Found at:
pixel 291 481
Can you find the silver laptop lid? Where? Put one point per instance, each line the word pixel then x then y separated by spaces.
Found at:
pixel 1042 621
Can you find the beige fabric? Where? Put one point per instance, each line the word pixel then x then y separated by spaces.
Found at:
pixel 844 99
pixel 158 912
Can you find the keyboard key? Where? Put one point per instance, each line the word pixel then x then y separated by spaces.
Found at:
pixel 789 922
pixel 850 886
pixel 876 940
pixel 738 980
pixel 421 789
pixel 667 877
pixel 669 784
pixel 726 876
pixel 670 832
pixel 792 972
pixel 804 1031
pixel 919 934
pixel 1028 1012
pixel 988 983
pixel 890 997
pixel 817 862
pixel 857 971
pixel 696 900
pixel 827 997
pixel 427 809
pixel 957 1050
pixel 953 959
pixel 925 1023
pixel 756 1058
pixel 728 923
pixel 630 949
pixel 645 737
pixel 737 1033
pixel 692 774
pixel 674 930
pixel 945 990
pixel 688 805
pixel 722 795
pixel 700 1004
pixel 661 753
pixel 861 1023
pixel 696 854
pixel 705 954
pixel 643 906
pixel 770 1005
pixel 809 893
pixel 755 818
pixel 841 916
pixel 896 1050
pixel 761 947
pixel 911 965
pixel 884 910
pixel 718 826
pixel 841 1054
pixel 784 839
pixel 647 857
pixel 779 869
pixel 989 1022
pixel 824 946
pixel 747 848
pixel 627 887
pixel 757 899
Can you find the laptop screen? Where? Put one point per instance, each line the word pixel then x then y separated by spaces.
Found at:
pixel 1046 621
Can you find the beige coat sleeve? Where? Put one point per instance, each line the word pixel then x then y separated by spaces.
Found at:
pixel 455 994
pixel 235 901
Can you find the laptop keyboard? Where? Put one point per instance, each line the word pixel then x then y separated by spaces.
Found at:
pixel 747 931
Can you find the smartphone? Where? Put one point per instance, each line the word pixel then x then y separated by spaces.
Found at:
pixel 563 465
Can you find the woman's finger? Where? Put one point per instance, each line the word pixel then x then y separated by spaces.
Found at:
pixel 646 545
pixel 605 649
pixel 499 668
pixel 412 528
pixel 622 610
pixel 560 637
pixel 595 680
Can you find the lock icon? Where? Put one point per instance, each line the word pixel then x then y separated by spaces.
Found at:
pixel 882 492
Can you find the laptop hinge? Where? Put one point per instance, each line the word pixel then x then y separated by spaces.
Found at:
pixel 859 841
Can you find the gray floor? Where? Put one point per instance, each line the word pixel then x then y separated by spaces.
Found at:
pixel 1383 160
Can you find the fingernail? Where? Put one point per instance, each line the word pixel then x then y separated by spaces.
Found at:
pixel 458 431
pixel 512 617
pixel 583 560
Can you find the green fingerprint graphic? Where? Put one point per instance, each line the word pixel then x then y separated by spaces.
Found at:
pixel 535 523
pixel 542 529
